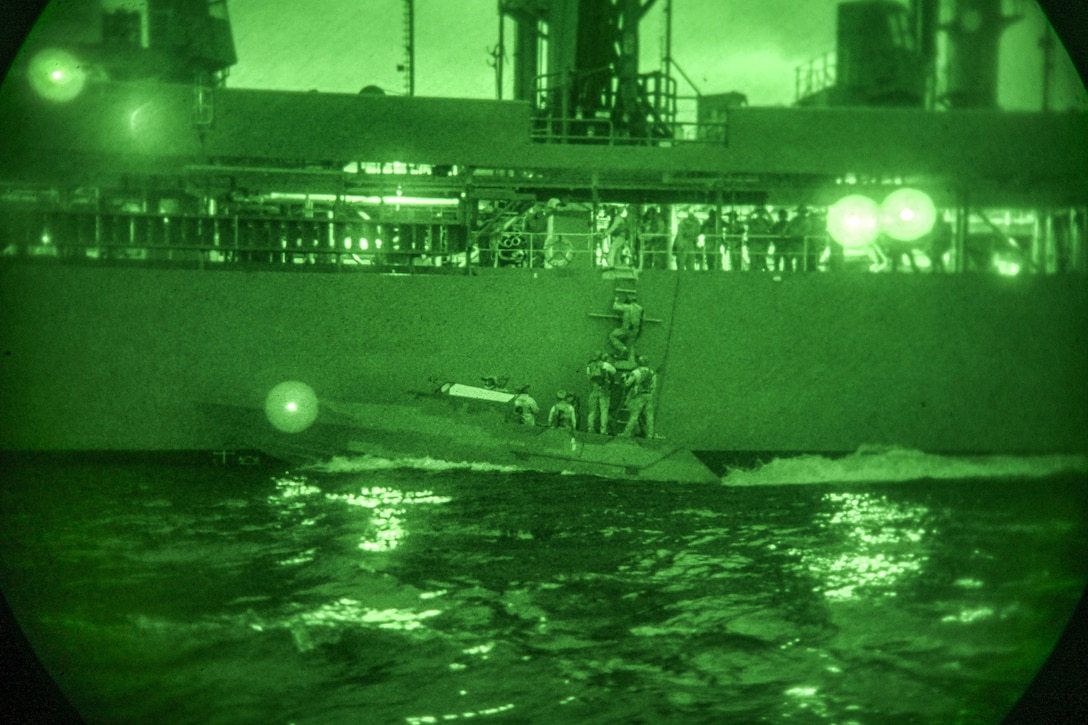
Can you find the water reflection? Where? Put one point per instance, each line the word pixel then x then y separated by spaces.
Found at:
pixel 554 599
pixel 885 543
pixel 387 508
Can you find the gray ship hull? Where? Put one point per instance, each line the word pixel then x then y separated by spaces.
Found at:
pixel 116 358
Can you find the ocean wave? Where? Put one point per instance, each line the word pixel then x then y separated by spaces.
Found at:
pixel 363 463
pixel 887 464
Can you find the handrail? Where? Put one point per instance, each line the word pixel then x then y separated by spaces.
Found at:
pixel 288 240
pixel 709 132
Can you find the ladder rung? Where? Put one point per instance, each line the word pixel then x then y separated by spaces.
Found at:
pixel 603 316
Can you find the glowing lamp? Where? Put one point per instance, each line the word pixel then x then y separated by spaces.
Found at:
pixel 291 406
pixel 907 214
pixel 56 75
pixel 853 221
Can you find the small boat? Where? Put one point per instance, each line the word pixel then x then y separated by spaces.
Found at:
pixel 455 422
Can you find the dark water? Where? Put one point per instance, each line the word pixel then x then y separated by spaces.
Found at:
pixel 373 594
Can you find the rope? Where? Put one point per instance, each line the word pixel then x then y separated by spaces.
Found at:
pixel 668 338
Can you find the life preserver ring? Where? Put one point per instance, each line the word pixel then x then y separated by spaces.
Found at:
pixel 558 252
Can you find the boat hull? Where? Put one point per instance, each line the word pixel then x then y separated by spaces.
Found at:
pixel 438 427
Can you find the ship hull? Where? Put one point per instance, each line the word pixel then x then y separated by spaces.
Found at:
pixel 118 358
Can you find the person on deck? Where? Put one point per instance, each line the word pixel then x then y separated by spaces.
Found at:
pixel 734 241
pixel 940 243
pixel 710 237
pixel 780 261
pixel 620 252
pixel 815 240
pixel 641 387
pixel 525 408
pixel 602 374
pixel 796 232
pixel 683 246
pixel 623 337
pixel 654 239
pixel 562 414
pixel 759 241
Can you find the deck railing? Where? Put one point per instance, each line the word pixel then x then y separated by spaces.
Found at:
pixel 223 240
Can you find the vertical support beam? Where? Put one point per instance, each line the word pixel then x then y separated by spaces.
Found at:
pixel 1040 234
pixel 1047 44
pixel 667 61
pixel 718 230
pixel 526 50
pixel 468 218
pixel 1049 262
pixel 596 197
pixel 926 15
pixel 631 115
pixel 959 242
pixel 500 53
pixel 1078 249
pixel 410 44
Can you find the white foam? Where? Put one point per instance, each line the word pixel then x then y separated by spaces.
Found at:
pixel 886 464
pixel 363 463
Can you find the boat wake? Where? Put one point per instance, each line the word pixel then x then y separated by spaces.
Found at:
pixel 364 463
pixel 888 464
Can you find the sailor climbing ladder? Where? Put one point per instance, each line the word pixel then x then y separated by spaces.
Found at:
pixel 622 340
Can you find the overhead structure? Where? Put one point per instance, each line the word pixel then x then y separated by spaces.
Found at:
pixel 878 59
pixel 174 41
pixel 576 61
pixel 974 39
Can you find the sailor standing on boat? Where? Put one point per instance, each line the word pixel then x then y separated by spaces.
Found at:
pixel 641 386
pixel 623 337
pixel 602 374
pixel 562 414
pixel 525 407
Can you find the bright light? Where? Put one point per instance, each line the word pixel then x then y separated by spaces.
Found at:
pixel 56 75
pixel 291 406
pixel 907 214
pixel 852 221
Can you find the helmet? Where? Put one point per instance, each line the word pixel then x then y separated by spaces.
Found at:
pixel 561 395
pixel 643 360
